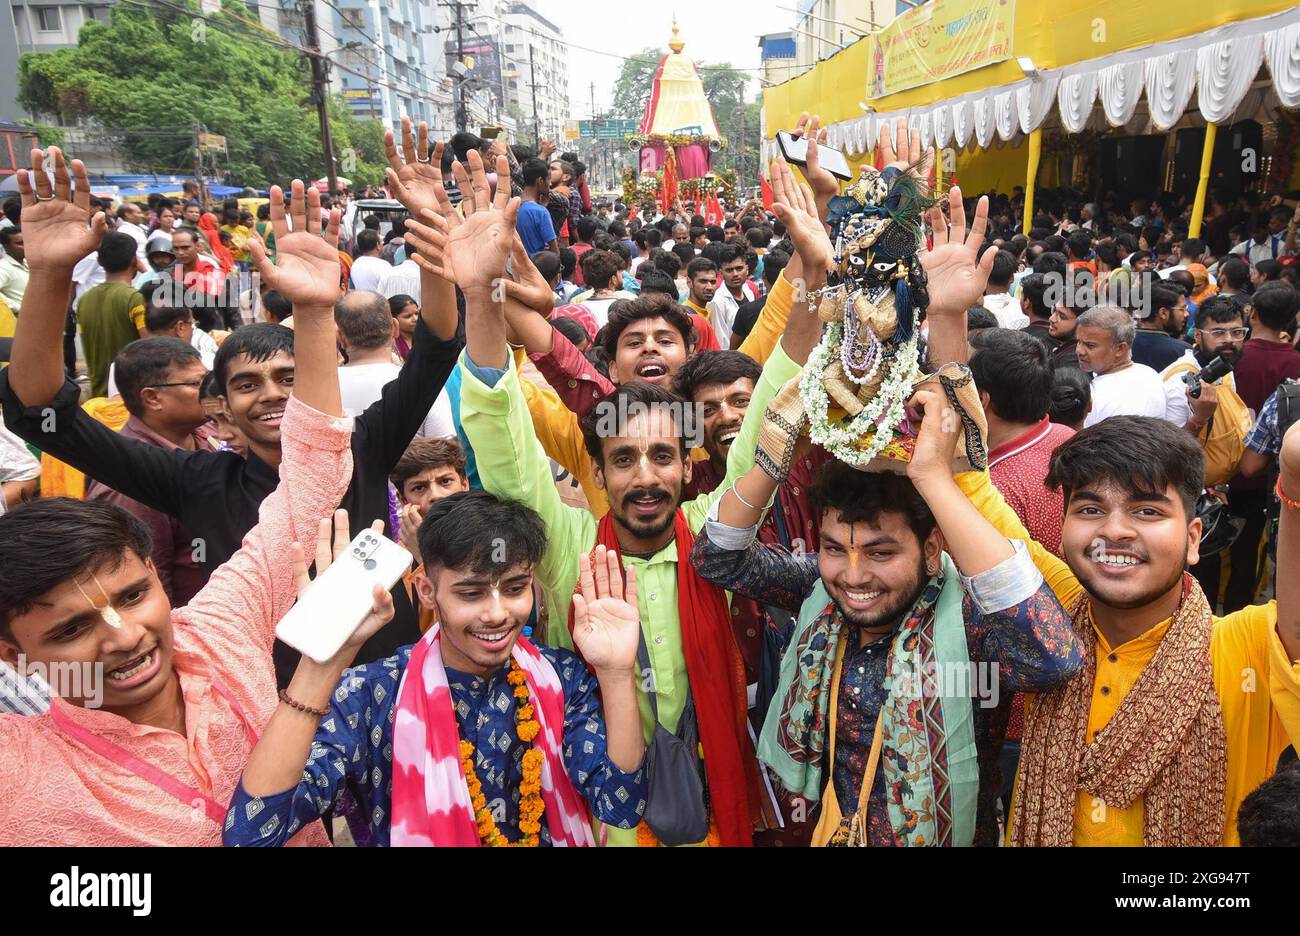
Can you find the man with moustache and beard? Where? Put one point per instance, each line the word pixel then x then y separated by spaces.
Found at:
pixel 638 455
pixel 1220 332
pixel 721 385
pixel 910 591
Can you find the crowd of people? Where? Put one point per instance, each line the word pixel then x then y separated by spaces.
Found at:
pixel 642 608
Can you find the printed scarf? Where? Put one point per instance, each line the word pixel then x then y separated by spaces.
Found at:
pixel 1166 742
pixel 928 753
pixel 431 804
pixel 716 672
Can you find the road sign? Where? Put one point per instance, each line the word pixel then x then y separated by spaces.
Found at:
pixel 606 129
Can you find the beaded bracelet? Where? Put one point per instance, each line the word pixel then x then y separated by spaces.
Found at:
pixel 1290 502
pixel 305 709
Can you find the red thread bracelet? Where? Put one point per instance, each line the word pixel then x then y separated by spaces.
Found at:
pixel 1288 501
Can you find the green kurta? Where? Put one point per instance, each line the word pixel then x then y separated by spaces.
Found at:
pixel 512 464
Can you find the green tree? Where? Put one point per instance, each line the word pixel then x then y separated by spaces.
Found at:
pixel 149 78
pixel 634 84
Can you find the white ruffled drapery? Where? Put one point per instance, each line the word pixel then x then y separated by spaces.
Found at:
pixel 1218 65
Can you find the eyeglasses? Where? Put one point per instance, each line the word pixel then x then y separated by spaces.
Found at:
pixel 180 383
pixel 1220 333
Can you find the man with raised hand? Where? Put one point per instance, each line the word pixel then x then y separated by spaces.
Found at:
pixel 155 707
pixel 578 385
pixel 639 456
pixel 474 735
pixel 216 495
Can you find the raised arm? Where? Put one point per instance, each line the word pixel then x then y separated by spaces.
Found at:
pixel 58 232
pixel 743 505
pixel 472 252
pixel 248 595
pixel 974 544
pixel 40 402
pixel 417 183
pixel 956 276
pixel 286 757
pixel 306 272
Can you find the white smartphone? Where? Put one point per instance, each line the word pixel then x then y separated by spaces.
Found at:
pixel 334 605
pixel 795 151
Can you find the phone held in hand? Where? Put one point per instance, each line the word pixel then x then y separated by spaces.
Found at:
pixel 333 606
pixel 795 151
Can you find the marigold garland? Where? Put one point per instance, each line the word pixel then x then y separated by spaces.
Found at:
pixel 531 804
pixel 647 839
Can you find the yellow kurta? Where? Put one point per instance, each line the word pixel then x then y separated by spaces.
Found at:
pixel 1257 684
pixel 557 427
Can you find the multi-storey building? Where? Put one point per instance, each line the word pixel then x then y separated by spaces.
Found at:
pixel 521 65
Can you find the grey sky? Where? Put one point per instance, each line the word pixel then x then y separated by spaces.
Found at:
pixel 714 31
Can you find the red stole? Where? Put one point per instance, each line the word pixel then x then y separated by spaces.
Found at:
pixel 716 672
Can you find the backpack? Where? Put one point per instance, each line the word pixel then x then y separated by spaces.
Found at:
pixel 1224 436
pixel 1288 406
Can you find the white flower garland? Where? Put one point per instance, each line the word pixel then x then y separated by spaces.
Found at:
pixel 844 439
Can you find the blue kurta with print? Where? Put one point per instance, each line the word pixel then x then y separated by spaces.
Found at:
pixel 353 754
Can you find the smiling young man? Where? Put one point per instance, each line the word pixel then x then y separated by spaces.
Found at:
pixel 648 338
pixel 904 563
pixel 441 742
pixel 155 707
pixel 635 446
pixel 216 495
pixel 1177 714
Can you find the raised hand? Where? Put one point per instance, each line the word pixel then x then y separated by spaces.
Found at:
pixel 306 268
pixel 326 552
pixel 795 206
pixel 903 148
pixel 957 274
pixel 58 230
pixel 527 284
pixel 937 437
pixel 471 251
pixel 409 528
pixel 824 185
pixel 416 182
pixel 606 620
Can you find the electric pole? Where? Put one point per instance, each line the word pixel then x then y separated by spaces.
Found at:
pixel 320 91
pixel 198 167
pixel 596 140
pixel 532 86
pixel 461 119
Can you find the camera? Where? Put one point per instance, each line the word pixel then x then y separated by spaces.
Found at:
pixel 1213 372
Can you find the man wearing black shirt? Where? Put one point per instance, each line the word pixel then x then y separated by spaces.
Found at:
pixel 216 495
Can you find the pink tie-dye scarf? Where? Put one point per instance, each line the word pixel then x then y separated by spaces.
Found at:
pixel 431 804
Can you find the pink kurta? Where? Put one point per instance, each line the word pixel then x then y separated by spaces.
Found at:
pixel 55 790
